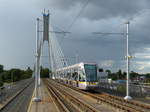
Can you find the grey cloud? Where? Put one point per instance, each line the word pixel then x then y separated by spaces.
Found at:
pixel 60 4
pixel 114 8
pixel 17 28
pixel 100 9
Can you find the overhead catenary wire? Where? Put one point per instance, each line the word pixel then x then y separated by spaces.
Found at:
pixel 78 15
pixel 57 54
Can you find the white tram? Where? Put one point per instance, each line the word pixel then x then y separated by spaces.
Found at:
pixel 82 75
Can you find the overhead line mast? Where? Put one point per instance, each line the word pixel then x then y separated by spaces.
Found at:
pixel 128 57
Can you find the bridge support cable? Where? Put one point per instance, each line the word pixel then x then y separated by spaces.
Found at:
pixel 55 54
pixel 59 54
pixel 56 57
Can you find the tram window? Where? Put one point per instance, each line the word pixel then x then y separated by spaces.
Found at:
pixel 82 76
pixel 79 78
pixel 68 75
pixel 75 75
pixel 100 70
pixel 75 78
pixel 91 72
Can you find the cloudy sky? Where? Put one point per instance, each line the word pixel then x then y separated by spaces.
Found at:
pixel 81 18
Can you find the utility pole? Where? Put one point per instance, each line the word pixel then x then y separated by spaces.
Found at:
pixel 128 57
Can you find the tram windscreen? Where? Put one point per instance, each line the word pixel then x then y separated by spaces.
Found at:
pixel 91 72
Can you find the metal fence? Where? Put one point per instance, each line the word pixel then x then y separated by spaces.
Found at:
pixel 120 89
pixel 12 89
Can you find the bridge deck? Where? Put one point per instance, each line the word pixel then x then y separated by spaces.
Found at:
pixel 46 105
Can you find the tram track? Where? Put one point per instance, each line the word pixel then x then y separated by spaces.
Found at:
pixel 133 103
pixel 114 101
pixel 56 97
pixel 69 103
pixel 129 105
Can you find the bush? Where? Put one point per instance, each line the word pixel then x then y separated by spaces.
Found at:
pixel 1 83
pixel 121 88
pixel 44 72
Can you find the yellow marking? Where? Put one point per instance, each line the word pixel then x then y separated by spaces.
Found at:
pixel 29 108
pixel 91 83
pixel 82 82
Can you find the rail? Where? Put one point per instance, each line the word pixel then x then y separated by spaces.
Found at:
pixel 72 103
pixel 117 102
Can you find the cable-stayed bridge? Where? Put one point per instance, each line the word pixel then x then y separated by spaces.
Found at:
pixel 80 87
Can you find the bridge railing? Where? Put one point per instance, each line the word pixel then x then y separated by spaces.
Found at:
pixel 120 89
pixel 11 89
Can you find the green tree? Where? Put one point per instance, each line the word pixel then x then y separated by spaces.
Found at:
pixel 1 83
pixel 108 71
pixel 119 74
pixel 44 72
pixel 1 68
pixel 27 73
pixel 124 75
pixel 1 80
pixel 1 76
pixel 15 74
pixel 6 76
pixel 114 76
pixel 133 75
pixel 148 75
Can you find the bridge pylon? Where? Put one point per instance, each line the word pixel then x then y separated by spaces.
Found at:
pixel 39 46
